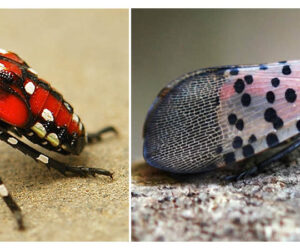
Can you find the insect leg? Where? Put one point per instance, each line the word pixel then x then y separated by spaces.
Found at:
pixel 256 169
pixel 96 137
pixel 12 205
pixel 48 161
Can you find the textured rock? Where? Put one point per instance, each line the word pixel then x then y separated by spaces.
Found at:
pixel 167 207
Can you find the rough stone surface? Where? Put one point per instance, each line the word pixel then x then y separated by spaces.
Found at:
pixel 167 207
pixel 84 55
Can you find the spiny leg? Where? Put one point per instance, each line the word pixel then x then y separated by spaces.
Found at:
pixel 257 169
pixel 48 161
pixel 12 205
pixel 96 137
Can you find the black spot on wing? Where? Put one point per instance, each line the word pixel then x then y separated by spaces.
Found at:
pixel 248 79
pixel 290 95
pixel 272 140
pixel 234 71
pixel 237 142
pixel 248 151
pixel 286 70
pixel 252 139
pixel 270 97
pixel 239 86
pixel 275 82
pixel 246 100
pixel 229 158
pixel 239 124
pixel 232 119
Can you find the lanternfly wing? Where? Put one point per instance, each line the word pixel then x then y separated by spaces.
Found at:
pixel 218 116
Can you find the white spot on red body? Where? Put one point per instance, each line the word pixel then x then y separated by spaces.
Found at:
pixel 43 158
pixel 47 115
pixel 29 87
pixel 53 139
pixel 39 129
pixel 12 140
pixel 75 118
pixel 2 66
pixel 67 105
pixel 3 51
pixel 32 71
pixel 80 126
pixel 3 191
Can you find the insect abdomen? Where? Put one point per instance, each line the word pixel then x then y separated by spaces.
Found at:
pixel 54 120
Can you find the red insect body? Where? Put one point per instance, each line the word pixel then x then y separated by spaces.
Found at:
pixel 29 107
pixel 13 110
pixel 27 101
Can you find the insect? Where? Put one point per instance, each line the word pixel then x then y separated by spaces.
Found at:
pixel 31 108
pixel 220 116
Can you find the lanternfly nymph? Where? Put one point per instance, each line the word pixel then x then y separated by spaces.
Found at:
pixel 30 108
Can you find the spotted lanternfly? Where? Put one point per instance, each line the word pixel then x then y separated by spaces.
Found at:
pixel 30 108
pixel 216 117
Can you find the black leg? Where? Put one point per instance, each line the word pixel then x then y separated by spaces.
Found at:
pixel 48 161
pixel 12 205
pixel 255 170
pixel 96 137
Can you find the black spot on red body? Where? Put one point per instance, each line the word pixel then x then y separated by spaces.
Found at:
pixel 252 139
pixel 290 95
pixel 232 119
pixel 237 142
pixel 248 151
pixel 275 82
pixel 246 99
pixel 229 158
pixel 239 86
pixel 234 71
pixel 270 97
pixel 270 115
pixel 248 79
pixel 286 70
pixel 239 124
pixel 272 140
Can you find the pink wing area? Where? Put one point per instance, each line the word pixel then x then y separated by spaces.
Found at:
pixel 260 107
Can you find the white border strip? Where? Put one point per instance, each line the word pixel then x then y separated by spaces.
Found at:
pixel 150 4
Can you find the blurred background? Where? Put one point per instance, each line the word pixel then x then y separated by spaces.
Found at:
pixel 168 43
pixel 84 55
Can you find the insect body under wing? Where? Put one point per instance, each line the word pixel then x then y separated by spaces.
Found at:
pixel 216 117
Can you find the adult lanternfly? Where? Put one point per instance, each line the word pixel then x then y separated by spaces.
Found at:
pixel 215 117
pixel 29 107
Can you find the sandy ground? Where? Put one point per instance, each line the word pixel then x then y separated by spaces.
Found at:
pixel 84 55
pixel 203 207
